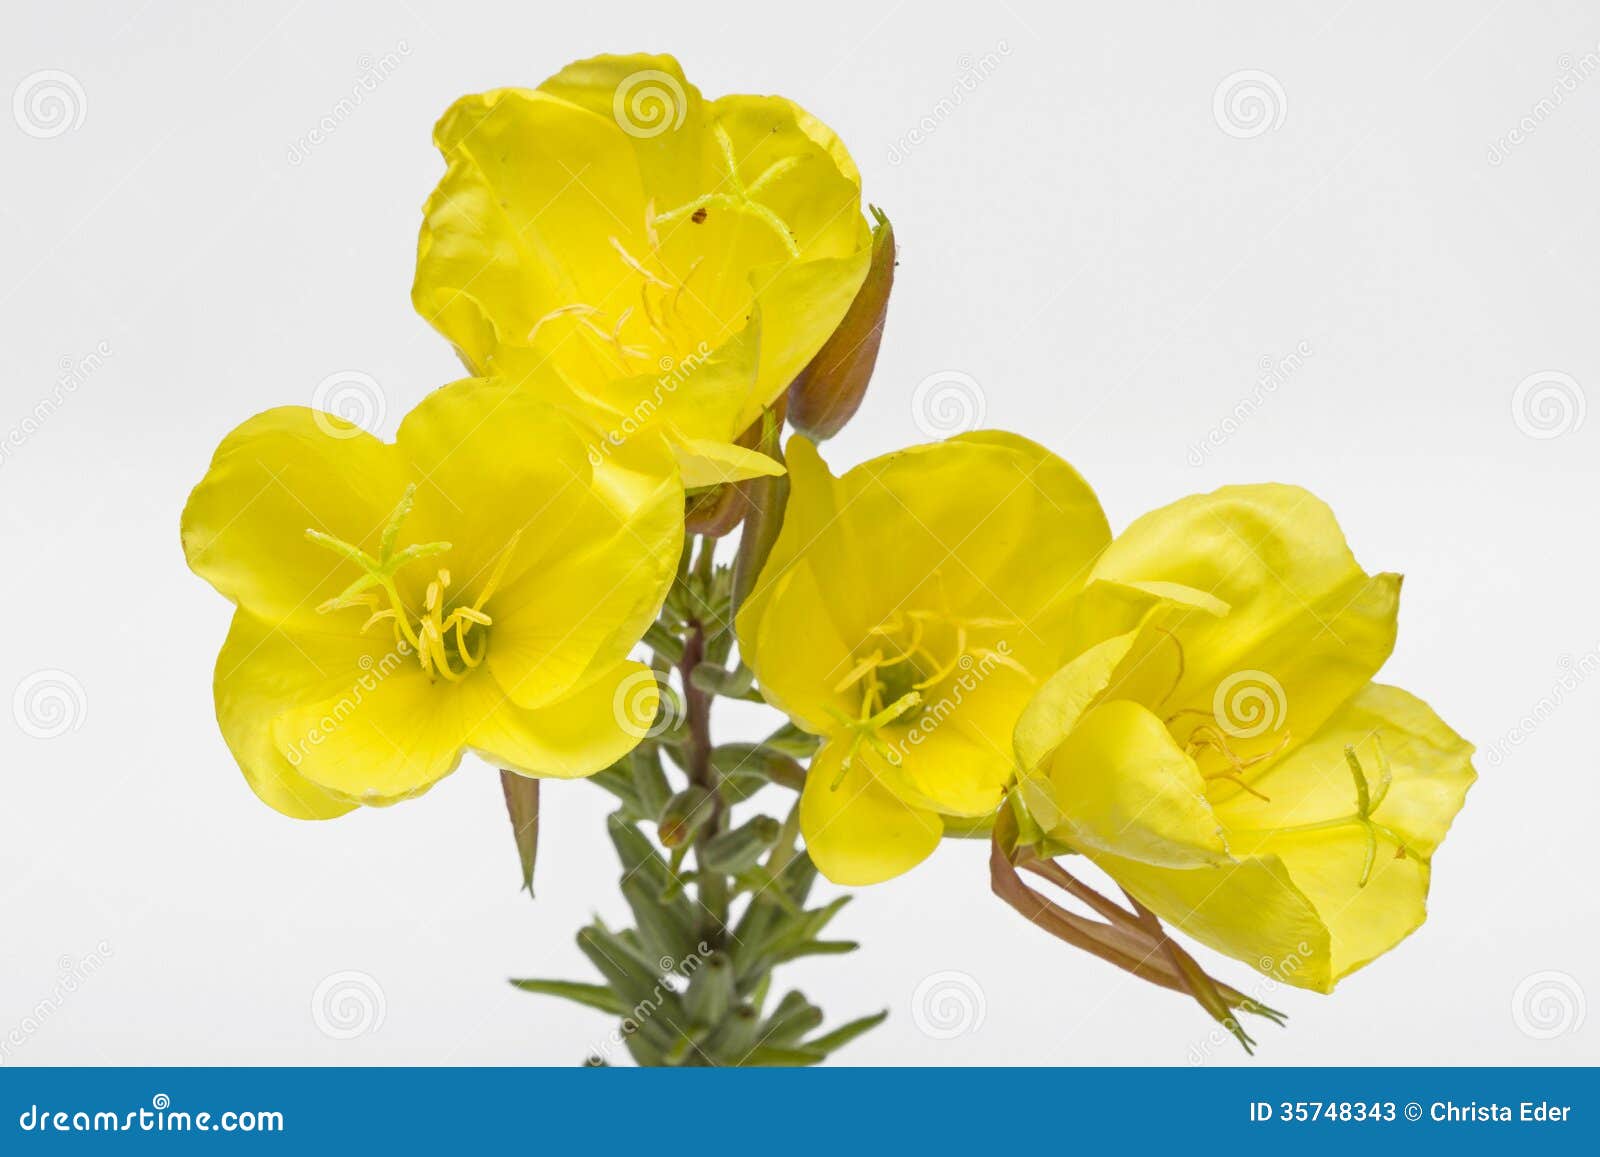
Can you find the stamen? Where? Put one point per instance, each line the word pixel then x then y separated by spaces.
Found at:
pixel 564 311
pixel 637 266
pixel 1182 666
pixel 871 661
pixel 773 171
pixel 427 639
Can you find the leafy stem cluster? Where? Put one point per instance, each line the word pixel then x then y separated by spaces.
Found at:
pixel 718 889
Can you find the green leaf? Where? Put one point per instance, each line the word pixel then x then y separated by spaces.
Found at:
pixel 792 1019
pixel 661 639
pixel 776 1056
pixel 714 679
pixel 638 855
pixel 649 781
pixel 711 992
pixel 845 1033
pixel 792 741
pixel 666 928
pixel 766 498
pixel 522 803
pixel 741 849
pixel 817 948
pixel 593 995
pixel 735 1037
pixel 618 780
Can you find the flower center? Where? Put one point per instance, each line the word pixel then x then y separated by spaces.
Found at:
pixel 920 665
pixel 669 330
pixel 449 640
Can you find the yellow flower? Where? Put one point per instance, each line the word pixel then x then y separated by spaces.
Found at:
pixel 1217 745
pixel 906 614
pixel 649 259
pixel 476 584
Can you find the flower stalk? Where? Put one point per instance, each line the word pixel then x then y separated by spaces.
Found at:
pixel 719 899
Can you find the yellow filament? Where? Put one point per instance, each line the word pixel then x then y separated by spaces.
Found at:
pixel 427 639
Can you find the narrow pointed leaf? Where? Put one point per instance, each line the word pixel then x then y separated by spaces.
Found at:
pixel 522 803
pixel 593 995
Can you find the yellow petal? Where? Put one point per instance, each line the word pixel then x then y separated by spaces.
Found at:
pixel 578 735
pixel 260 674
pixel 808 655
pixel 387 734
pixel 1396 738
pixel 1319 868
pixel 1252 911
pixel 536 189
pixel 709 463
pixel 1060 702
pixel 791 174
pixel 860 832
pixel 653 103
pixel 994 524
pixel 276 476
pixel 1306 628
pixel 799 305
pixel 594 590
pixel 619 247
pixel 481 483
pixel 1119 784
pixel 953 750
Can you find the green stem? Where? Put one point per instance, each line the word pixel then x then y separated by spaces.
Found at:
pixel 711 887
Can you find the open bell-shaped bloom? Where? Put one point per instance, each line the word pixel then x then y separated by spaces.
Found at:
pixel 1216 743
pixel 476 584
pixel 907 613
pixel 650 259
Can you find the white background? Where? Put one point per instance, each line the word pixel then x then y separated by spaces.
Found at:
pixel 1079 234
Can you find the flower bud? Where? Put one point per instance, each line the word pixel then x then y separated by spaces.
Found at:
pixel 718 510
pixel 829 390
pixel 684 814
pixel 522 804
